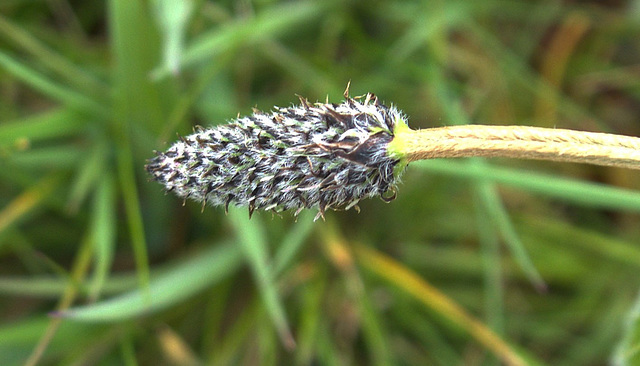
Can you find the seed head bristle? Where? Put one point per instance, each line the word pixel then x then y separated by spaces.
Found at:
pixel 320 155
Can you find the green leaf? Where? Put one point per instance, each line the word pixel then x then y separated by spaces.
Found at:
pixel 55 123
pixel 89 171
pixel 173 17
pixel 628 351
pixel 252 240
pixel 18 338
pixel 136 50
pixel 103 232
pixel 571 190
pixel 491 259
pixel 310 319
pixel 51 89
pixel 46 158
pixel 264 25
pixel 292 243
pixel 499 217
pixel 184 280
pixel 28 200
pixel 50 287
pixel 61 65
pixel 606 247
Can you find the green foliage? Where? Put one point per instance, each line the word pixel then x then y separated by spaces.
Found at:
pixel 476 262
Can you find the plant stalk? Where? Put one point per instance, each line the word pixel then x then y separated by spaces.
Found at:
pixel 519 142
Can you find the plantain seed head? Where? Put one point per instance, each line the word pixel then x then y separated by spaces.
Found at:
pixel 321 155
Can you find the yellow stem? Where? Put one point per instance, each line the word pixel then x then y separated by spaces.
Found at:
pixel 518 142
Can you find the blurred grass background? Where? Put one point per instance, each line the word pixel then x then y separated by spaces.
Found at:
pixel 477 262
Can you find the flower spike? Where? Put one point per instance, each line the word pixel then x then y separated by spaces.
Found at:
pixel 320 155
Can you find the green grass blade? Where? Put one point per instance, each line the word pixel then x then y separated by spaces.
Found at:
pixel 128 351
pixel 495 210
pixel 52 60
pixel 28 200
pixel 33 287
pixel 103 233
pixel 173 18
pixel 606 247
pixel 492 263
pixel 570 190
pixel 628 351
pixel 49 88
pixel 292 243
pixel 252 240
pixel 338 249
pixel 301 69
pixel 50 287
pixel 266 24
pixel 77 274
pixel 310 320
pixel 135 102
pixel 138 100
pixel 518 69
pixel 328 351
pixel 184 280
pixel 407 280
pixel 420 32
pixel 18 338
pixel 46 158
pixel 55 123
pixel 375 334
pixel 233 342
pixel 89 172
